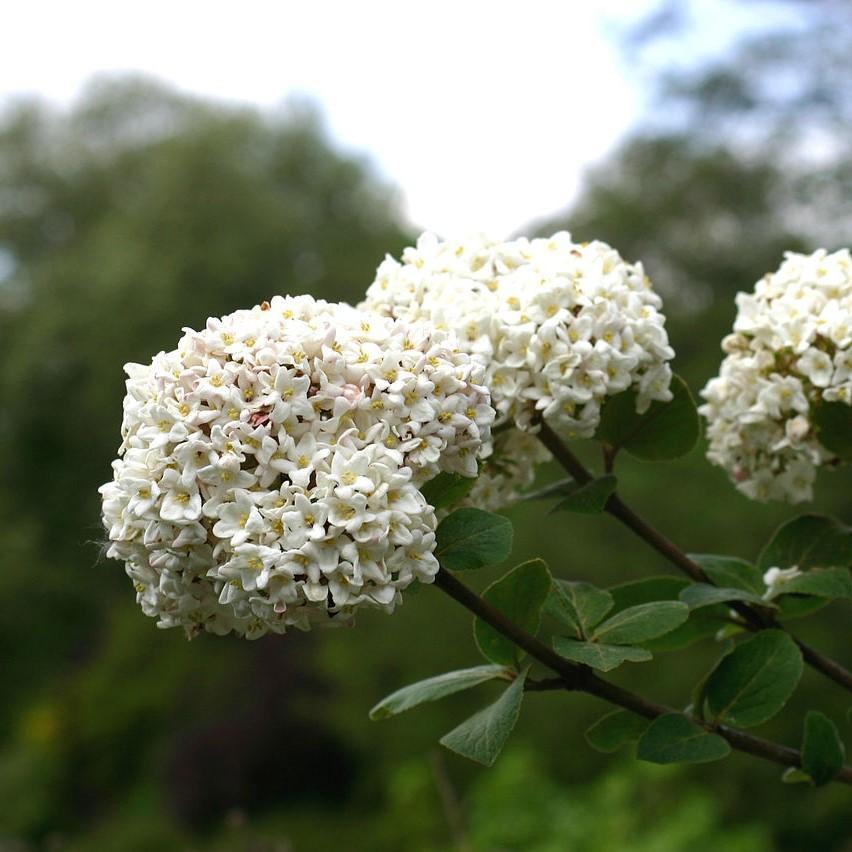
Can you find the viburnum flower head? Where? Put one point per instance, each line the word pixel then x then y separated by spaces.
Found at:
pixel 790 352
pixel 270 469
pixel 559 325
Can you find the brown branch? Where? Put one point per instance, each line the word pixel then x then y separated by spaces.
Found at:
pixel 754 617
pixel 581 679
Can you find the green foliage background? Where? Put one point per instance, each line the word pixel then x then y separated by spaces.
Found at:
pixel 141 211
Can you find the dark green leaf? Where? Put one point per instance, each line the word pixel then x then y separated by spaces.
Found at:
pixel 601 657
pixel 794 606
pixel 482 736
pixel 667 430
pixel 698 693
pixel 809 541
pixel 579 605
pixel 446 489
pixel 730 572
pixel 614 730
pixel 699 595
pixel 822 749
pixel 662 588
pixel 828 583
pixel 700 624
pixel 642 622
pixel 519 595
pixel 590 498
pixel 471 538
pixel 433 689
pixel 834 421
pixel 753 682
pixel 675 739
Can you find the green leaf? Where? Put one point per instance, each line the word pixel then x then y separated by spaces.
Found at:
pixel 828 583
pixel 519 595
pixel 483 735
pixel 579 605
pixel 588 499
pixel 809 541
pixel 675 739
pixel 794 775
pixel 795 606
pixel 433 689
pixel 614 730
pixel 446 489
pixel 699 595
pixel 700 625
pixel 699 691
pixel 471 538
pixel 730 572
pixel 601 657
pixel 667 430
pixel 754 681
pixel 645 621
pixel 822 749
pixel 834 421
pixel 648 590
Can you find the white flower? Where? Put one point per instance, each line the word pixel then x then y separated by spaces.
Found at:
pixel 270 466
pixel 791 351
pixel 559 326
pixel 775 578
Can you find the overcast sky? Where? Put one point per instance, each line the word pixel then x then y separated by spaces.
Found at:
pixel 483 113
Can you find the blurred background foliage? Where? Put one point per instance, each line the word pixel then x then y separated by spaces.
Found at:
pixel 141 211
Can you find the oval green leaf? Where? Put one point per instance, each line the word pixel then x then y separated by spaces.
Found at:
pixel 675 739
pixel 578 605
pixel 831 583
pixel 483 735
pixel 519 595
pixel 604 658
pixel 642 622
pixel 615 730
pixel 471 538
pixel 730 572
pixel 588 499
pixel 700 595
pixel 434 688
pixel 754 681
pixel 446 489
pixel 834 422
pixel 809 541
pixel 667 430
pixel 822 749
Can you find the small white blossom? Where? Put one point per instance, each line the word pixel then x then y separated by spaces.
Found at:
pixel 791 350
pixel 775 578
pixel 270 466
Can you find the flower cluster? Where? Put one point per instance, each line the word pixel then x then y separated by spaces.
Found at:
pixel 559 325
pixel 790 351
pixel 270 469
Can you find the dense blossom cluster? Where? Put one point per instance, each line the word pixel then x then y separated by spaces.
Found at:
pixel 559 325
pixel 790 352
pixel 270 469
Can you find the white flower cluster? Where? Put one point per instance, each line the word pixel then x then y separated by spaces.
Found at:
pixel 270 469
pixel 791 349
pixel 559 325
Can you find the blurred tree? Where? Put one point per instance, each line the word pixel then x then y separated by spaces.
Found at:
pixel 136 213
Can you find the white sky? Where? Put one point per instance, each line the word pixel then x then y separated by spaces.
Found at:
pixel 483 113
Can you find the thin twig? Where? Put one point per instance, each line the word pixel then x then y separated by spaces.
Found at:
pixel 582 679
pixel 756 618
